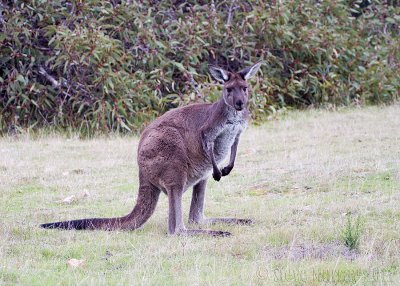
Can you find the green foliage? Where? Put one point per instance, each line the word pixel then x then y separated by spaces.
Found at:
pixel 114 65
pixel 351 233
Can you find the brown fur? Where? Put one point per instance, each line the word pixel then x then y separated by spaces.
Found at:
pixel 181 149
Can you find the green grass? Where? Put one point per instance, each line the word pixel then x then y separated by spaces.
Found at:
pixel 297 177
pixel 352 232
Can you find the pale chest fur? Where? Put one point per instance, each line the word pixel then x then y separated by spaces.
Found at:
pixel 227 135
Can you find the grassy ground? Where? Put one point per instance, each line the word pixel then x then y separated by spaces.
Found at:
pixel 299 178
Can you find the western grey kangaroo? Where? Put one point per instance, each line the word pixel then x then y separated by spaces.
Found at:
pixel 181 149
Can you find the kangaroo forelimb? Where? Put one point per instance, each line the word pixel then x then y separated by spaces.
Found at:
pixel 208 145
pixel 226 170
pixel 217 174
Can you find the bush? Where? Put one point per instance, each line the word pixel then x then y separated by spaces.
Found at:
pixel 102 65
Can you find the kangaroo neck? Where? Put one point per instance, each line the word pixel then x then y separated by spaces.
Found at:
pixel 221 108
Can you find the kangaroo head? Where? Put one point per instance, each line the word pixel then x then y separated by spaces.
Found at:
pixel 235 92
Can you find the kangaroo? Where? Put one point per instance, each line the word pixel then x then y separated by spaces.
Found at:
pixel 181 149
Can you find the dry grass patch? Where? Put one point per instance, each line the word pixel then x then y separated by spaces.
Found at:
pixel 311 250
pixel 297 177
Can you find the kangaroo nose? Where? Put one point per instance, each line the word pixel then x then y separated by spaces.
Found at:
pixel 239 105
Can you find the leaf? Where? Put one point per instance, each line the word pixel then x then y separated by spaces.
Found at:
pixel 125 126
pixel 20 78
pixel 68 199
pixel 75 263
pixel 390 20
pixel 178 65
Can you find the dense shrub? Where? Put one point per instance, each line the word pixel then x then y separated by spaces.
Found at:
pixel 114 65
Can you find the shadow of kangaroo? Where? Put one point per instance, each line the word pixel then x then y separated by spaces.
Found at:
pixel 181 149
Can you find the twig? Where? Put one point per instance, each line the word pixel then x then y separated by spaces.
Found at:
pixel 1 14
pixel 51 79
pixel 230 13
pixel 214 13
pixel 194 85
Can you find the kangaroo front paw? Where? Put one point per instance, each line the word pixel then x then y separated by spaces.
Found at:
pixel 217 175
pixel 226 170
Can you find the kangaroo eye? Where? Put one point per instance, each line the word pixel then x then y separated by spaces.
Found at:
pixel 229 89
pixel 244 89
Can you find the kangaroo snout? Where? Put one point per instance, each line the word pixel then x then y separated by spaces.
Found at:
pixel 239 105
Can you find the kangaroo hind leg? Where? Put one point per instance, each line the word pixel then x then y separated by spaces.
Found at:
pixel 175 219
pixel 196 214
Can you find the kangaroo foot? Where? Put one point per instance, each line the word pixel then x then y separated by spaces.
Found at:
pixel 227 220
pixel 215 233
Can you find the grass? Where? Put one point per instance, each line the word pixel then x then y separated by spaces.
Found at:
pixel 297 177
pixel 351 233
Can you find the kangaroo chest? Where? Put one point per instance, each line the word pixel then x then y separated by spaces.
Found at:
pixel 224 141
pixel 225 135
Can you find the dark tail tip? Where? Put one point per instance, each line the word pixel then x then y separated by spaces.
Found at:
pixel 72 224
pixel 48 225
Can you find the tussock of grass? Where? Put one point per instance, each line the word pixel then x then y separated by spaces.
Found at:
pixel 351 233
pixel 296 177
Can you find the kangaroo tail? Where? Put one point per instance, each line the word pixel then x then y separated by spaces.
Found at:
pixel 145 205
pixel 87 223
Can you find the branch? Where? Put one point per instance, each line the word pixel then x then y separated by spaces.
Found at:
pixel 51 79
pixel 214 14
pixel 194 85
pixel 1 15
pixel 230 13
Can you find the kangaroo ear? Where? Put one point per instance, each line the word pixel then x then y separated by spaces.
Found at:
pixel 219 74
pixel 249 72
